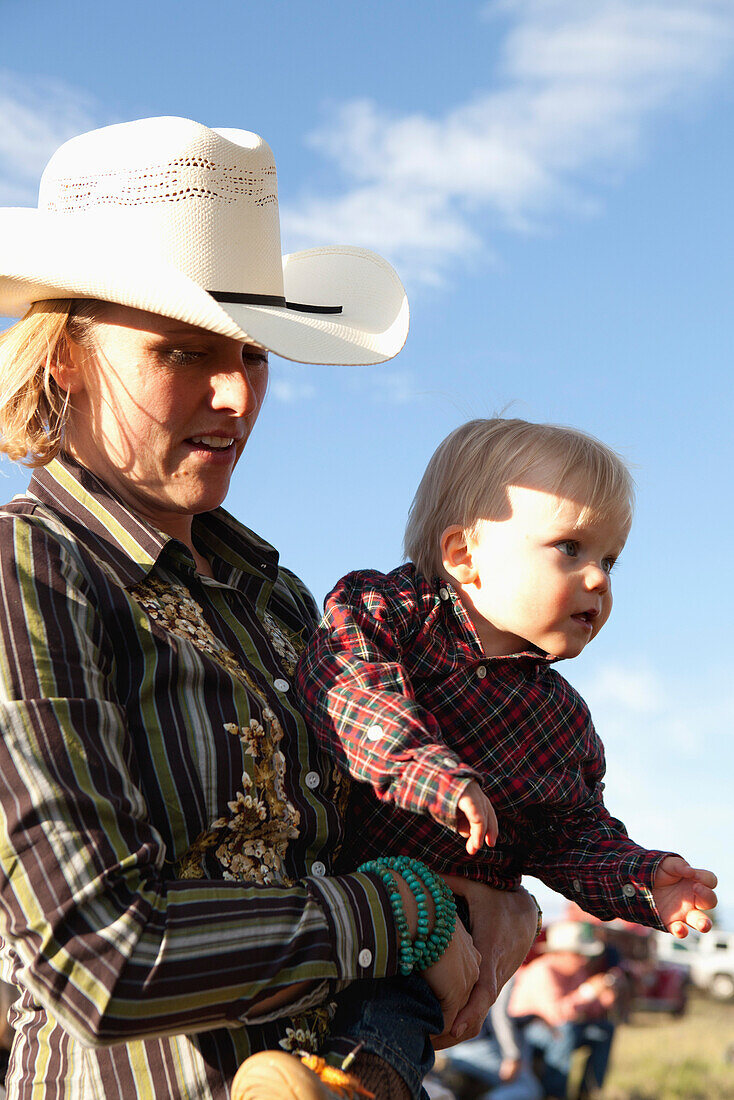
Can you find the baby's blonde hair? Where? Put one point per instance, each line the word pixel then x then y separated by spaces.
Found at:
pixel 33 408
pixel 467 478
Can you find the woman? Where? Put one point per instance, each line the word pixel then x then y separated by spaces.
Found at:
pixel 168 830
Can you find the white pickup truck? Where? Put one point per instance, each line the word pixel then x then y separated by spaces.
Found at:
pixel 709 958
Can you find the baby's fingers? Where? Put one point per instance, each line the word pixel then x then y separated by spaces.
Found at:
pixel 706 879
pixel 697 920
pixel 492 829
pixel 476 819
pixel 705 898
pixel 476 836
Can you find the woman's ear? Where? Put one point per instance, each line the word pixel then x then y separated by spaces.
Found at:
pixel 456 555
pixel 67 367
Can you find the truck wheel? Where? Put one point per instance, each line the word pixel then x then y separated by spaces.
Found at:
pixel 721 987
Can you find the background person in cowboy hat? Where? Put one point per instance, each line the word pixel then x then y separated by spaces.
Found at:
pixel 563 997
pixel 167 826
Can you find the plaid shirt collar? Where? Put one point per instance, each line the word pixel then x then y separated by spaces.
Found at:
pixel 440 591
pixel 129 547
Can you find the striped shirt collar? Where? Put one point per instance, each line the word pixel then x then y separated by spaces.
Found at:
pixel 127 545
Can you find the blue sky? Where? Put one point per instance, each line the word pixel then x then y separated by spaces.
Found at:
pixel 552 179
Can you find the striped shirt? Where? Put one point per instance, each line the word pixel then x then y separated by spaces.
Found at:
pixel 167 828
pixel 397 688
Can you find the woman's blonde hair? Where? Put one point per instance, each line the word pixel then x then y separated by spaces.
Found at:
pixel 467 478
pixel 33 407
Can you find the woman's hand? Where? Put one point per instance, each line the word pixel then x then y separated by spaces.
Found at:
pixel 452 979
pixel 503 924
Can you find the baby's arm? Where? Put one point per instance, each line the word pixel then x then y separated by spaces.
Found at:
pixel 682 894
pixel 354 688
pixel 576 847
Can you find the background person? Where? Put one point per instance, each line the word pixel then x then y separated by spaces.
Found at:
pixel 563 1001
pixel 498 1057
pixel 168 828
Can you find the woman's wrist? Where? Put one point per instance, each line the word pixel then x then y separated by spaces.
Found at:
pixel 423 907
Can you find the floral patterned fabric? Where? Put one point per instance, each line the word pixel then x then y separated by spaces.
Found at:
pixel 169 829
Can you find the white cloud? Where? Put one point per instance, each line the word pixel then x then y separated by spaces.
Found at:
pixel 663 717
pixel 388 386
pixel 632 690
pixel 36 118
pixel 290 384
pixel 576 84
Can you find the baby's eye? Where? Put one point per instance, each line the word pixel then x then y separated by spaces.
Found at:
pixel 608 565
pixel 569 547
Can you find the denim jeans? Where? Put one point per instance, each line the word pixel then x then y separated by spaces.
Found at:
pixel 481 1059
pixel 394 1018
pixel 558 1044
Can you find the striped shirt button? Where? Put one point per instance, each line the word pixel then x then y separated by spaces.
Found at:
pixel 443 593
pixel 481 672
pixel 628 890
pixel 312 780
pixel 374 733
pixel 318 868
pixel 280 684
pixel 365 957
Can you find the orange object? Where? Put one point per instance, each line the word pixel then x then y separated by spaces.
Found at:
pixel 343 1084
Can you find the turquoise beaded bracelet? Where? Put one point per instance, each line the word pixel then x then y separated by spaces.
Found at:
pixel 406 957
pixel 427 948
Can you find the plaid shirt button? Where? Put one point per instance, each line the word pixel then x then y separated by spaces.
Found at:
pixel 628 890
pixel 312 780
pixel 576 885
pixel 374 733
pixel 443 593
pixel 481 672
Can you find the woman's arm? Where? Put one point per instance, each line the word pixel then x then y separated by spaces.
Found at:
pixel 105 937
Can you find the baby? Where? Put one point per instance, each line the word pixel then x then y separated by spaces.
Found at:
pixel 433 685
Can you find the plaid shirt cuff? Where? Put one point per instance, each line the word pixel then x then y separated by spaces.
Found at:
pixel 625 890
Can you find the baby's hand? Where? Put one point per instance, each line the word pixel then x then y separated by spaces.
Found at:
pixel 681 894
pixel 476 819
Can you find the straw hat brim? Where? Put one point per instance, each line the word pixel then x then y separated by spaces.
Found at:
pixel 45 255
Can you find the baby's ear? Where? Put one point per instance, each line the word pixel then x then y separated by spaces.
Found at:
pixel 456 555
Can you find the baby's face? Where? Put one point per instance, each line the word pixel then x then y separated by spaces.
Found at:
pixel 541 576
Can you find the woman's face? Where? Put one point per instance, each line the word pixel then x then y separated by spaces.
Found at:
pixel 161 411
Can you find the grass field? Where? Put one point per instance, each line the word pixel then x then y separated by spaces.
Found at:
pixel 656 1057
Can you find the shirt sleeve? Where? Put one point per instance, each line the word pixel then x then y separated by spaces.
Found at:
pixel 584 853
pixel 356 693
pixel 101 933
pixel 503 1027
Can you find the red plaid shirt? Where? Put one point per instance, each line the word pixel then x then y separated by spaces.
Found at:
pixel 396 687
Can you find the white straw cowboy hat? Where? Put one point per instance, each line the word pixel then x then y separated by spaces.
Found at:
pixel 168 216
pixel 575 936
